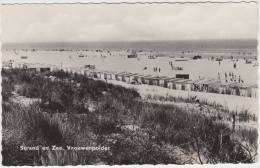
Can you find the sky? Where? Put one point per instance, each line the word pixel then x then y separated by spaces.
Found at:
pixel 122 22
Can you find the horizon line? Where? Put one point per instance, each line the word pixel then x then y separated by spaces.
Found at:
pixel 255 39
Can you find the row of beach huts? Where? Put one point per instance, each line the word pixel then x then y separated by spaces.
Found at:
pixel 177 82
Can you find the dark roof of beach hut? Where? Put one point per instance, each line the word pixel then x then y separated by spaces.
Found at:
pixel 121 73
pixel 164 77
pixel 174 79
pixel 138 75
pixel 155 77
pixel 95 70
pixel 183 81
pixel 105 72
pixel 130 74
pixel 148 76
pixel 112 72
pixel 171 78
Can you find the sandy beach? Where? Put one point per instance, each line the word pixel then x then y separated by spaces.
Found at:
pixel 117 61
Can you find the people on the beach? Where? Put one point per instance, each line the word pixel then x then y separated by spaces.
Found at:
pixel 231 77
pixel 157 69
pixel 219 76
pixel 170 62
pixel 235 65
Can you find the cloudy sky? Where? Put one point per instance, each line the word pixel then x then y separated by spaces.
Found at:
pixel 121 22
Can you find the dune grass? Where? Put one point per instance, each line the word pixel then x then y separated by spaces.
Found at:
pixel 137 132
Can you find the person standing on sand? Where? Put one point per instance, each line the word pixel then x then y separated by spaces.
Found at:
pixel 219 76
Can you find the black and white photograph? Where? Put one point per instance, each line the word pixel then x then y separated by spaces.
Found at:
pixel 129 83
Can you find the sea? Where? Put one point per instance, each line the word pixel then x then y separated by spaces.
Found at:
pixel 168 46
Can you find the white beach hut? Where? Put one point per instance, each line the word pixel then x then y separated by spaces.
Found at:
pixel 254 91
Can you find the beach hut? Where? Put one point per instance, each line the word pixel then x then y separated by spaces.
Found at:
pixel 87 72
pixel 213 86
pixel 155 81
pixel 171 83
pixel 129 77
pixel 163 81
pixel 180 84
pixel 31 69
pixel 37 68
pixel 142 79
pixel 119 76
pixel 188 85
pixel 138 78
pixel 244 91
pixel 92 74
pixel 125 77
pixel 207 85
pixel 103 75
pixel 147 80
pixel 253 91
pixel 8 64
pixel 234 90
pixel 239 89
pixel 54 68
pixel 111 75
pixel 98 74
pixel 224 88
pixel 81 71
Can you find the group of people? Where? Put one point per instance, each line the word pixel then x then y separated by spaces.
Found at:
pixel 231 77
pixel 156 69
pixel 170 63
pixel 234 64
